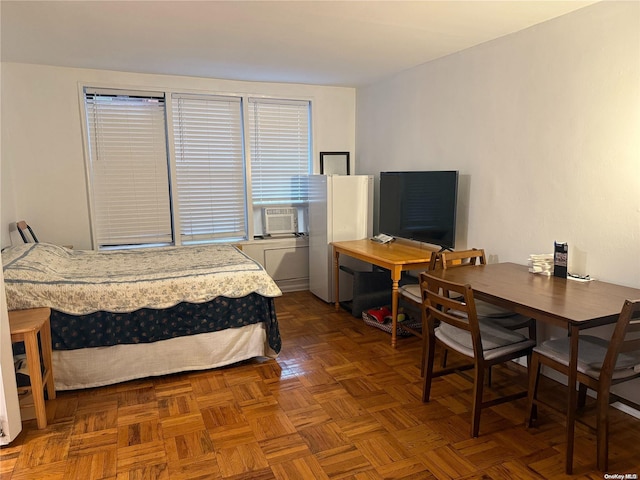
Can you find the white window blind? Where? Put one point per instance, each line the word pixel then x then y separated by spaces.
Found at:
pixel 280 150
pixel 128 167
pixel 210 169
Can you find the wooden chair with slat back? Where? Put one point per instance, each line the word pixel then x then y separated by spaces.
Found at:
pixel 601 364
pixel 410 293
pixel 486 311
pixel 462 258
pixel 452 321
pixel 26 232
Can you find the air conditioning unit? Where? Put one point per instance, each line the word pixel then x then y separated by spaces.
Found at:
pixel 276 220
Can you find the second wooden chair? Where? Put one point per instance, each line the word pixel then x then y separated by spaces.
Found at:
pixel 451 320
pixel 601 364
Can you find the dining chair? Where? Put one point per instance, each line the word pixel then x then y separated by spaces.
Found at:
pixel 487 312
pixel 601 364
pixel 452 321
pixel 26 232
pixel 410 293
pixel 461 258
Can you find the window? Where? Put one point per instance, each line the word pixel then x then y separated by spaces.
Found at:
pixel 178 173
pixel 128 167
pixel 279 132
pixel 210 174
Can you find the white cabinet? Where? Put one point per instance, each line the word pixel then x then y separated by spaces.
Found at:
pixel 285 259
pixel 287 263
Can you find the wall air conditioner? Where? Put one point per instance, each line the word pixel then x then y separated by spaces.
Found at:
pixel 278 220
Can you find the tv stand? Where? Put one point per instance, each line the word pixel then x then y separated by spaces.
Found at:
pixel 395 256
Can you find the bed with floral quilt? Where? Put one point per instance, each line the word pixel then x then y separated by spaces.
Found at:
pixel 127 314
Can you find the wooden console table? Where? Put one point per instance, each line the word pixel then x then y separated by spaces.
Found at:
pixel 397 256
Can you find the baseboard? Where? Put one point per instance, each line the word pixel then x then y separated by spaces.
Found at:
pixel 293 285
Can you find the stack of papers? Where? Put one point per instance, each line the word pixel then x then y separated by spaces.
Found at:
pixel 541 263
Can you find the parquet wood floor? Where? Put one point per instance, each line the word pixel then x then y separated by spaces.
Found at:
pixel 338 403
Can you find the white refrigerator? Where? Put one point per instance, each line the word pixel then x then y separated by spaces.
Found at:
pixel 340 208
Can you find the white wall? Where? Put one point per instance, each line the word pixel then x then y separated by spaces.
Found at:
pixel 43 162
pixel 544 127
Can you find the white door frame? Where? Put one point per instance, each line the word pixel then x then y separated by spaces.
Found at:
pixel 10 419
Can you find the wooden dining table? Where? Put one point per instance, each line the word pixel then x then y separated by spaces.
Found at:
pixel 570 304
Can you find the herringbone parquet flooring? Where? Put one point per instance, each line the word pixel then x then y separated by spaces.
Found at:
pixel 338 403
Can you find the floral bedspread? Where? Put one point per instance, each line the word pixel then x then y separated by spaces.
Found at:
pixel 85 281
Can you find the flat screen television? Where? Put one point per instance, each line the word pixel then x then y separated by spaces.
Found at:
pixel 419 206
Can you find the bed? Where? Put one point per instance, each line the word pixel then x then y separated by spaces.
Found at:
pixel 127 314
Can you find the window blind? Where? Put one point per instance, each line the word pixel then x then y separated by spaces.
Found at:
pixel 128 167
pixel 210 172
pixel 280 150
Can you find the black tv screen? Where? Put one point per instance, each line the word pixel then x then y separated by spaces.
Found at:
pixel 419 206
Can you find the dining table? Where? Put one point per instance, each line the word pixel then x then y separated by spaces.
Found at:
pixel 571 304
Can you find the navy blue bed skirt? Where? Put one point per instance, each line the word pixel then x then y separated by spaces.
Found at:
pixel 69 332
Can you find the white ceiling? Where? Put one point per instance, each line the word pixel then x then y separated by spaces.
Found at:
pixel 345 43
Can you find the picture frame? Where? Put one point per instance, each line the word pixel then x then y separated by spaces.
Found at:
pixel 334 163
